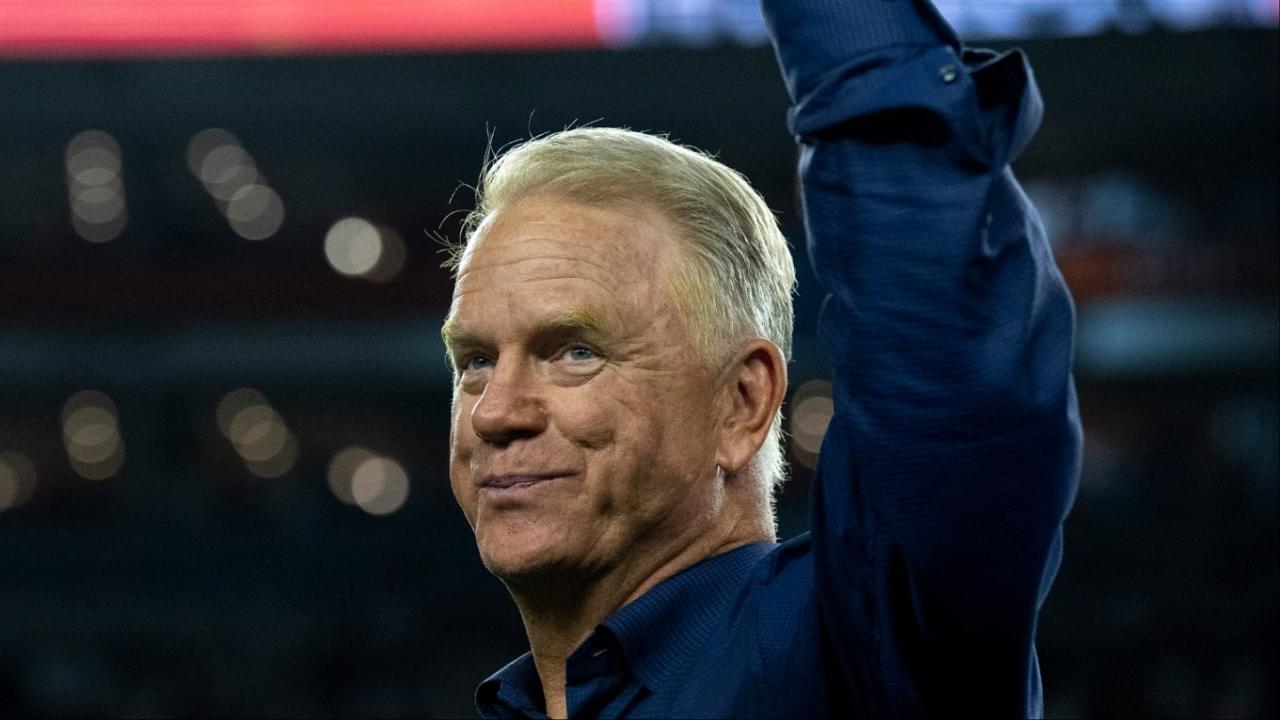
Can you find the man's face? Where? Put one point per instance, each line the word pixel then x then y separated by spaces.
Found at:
pixel 583 438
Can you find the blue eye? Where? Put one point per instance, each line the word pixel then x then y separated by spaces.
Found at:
pixel 479 362
pixel 578 353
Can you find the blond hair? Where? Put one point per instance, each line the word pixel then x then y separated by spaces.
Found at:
pixel 738 277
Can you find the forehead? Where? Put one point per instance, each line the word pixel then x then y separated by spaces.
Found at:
pixel 548 253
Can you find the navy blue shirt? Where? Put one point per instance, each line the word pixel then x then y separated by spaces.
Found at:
pixel 952 457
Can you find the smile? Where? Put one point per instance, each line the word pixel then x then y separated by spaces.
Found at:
pixel 516 482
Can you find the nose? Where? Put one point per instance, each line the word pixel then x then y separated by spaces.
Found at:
pixel 509 408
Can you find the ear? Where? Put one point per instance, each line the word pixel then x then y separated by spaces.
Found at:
pixel 754 385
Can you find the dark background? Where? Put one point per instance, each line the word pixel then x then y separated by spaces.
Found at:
pixel 184 584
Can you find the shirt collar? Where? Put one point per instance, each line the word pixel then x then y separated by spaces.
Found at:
pixel 515 686
pixel 662 631
pixel 659 633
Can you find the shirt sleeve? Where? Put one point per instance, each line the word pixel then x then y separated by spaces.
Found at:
pixel 953 455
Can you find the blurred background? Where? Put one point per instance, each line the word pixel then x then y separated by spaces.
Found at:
pixel 223 399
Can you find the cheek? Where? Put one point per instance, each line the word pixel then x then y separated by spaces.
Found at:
pixel 460 435
pixel 639 435
pixel 590 418
pixel 465 494
pixel 681 433
pixel 460 451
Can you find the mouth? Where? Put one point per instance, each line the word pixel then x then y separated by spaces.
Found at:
pixel 514 482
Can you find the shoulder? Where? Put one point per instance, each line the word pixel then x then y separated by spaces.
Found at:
pixel 785 605
pixel 789 632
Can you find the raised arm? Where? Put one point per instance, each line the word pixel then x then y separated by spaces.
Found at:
pixel 953 455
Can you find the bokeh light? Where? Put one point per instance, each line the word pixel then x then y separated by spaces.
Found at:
pixel 203 143
pixel 279 462
pixel 380 486
pixel 227 169
pixel 91 435
pixel 811 411
pixel 342 467
pixel 391 259
pixel 95 190
pixel 97 205
pixel 255 212
pixel 93 159
pixel 232 403
pixel 257 432
pixel 375 483
pixel 17 479
pixel 229 173
pixel 353 246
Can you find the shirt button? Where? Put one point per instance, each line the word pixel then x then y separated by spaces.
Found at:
pixel 948 73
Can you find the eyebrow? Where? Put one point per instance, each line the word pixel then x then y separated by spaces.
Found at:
pixel 586 322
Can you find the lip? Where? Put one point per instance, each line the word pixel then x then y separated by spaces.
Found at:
pixel 516 481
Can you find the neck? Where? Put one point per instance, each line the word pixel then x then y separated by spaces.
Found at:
pixel 560 613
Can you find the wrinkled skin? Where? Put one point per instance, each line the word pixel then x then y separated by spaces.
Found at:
pixel 585 426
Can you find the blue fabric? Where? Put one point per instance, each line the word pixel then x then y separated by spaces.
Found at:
pixel 953 455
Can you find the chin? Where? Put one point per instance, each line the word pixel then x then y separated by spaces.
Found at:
pixel 520 560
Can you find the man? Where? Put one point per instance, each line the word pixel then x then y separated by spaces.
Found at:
pixel 619 334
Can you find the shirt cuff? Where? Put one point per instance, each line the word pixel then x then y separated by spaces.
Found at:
pixel 814 37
